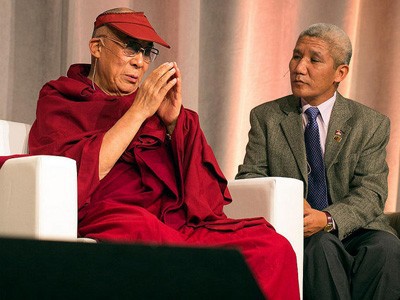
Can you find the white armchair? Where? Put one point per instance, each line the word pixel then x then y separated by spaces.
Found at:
pixel 279 200
pixel 38 193
pixel 38 196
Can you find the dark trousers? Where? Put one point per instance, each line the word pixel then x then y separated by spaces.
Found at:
pixel 364 266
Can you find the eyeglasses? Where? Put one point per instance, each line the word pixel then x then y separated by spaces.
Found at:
pixel 132 48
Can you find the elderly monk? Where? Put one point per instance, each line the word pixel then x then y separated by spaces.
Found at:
pixel 145 171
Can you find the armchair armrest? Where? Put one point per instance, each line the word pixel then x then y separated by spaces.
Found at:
pixel 279 200
pixel 38 198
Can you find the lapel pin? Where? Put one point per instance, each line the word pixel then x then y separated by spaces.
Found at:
pixel 338 135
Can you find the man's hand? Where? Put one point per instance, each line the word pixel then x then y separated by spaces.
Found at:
pixel 171 105
pixel 314 220
pixel 153 93
pixel 306 204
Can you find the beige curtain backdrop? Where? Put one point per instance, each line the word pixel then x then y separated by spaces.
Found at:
pixel 233 55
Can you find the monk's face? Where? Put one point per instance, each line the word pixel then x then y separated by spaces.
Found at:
pixel 116 73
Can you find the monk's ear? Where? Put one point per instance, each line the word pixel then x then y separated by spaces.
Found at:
pixel 341 73
pixel 95 46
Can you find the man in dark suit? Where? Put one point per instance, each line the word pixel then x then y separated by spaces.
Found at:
pixel 336 146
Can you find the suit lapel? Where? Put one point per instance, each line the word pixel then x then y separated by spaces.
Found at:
pixel 338 130
pixel 292 127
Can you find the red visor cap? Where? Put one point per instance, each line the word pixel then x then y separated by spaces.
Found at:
pixel 133 24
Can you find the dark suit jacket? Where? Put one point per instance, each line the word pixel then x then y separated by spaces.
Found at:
pixel 355 161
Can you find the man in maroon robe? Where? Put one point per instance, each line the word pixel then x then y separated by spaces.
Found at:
pixel 145 171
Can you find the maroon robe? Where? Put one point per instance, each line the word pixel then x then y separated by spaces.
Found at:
pixel 160 191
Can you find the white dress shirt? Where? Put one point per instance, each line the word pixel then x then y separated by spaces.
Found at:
pixel 323 118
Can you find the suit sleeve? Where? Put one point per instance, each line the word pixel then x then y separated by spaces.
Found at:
pixel 365 198
pixel 255 162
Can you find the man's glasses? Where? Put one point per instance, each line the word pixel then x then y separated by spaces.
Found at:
pixel 133 48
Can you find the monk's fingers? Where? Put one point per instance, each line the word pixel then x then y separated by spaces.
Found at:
pixel 162 73
pixel 150 97
pixel 178 71
pixel 154 89
pixel 159 78
pixel 166 83
pixel 161 69
pixel 167 76
pixel 178 77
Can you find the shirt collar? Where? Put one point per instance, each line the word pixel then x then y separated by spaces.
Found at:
pixel 324 108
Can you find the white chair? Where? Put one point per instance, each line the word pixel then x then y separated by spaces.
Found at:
pixel 38 193
pixel 279 200
pixel 38 196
